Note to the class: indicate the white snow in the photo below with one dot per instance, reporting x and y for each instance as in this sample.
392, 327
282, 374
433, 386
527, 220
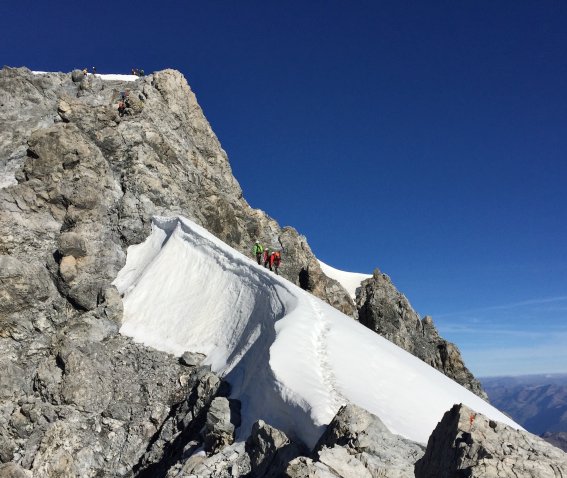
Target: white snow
116, 77
349, 280
291, 359
108, 77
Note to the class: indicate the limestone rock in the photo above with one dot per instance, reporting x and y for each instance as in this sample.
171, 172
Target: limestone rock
190, 359
12, 381
357, 443
77, 76
232, 461
13, 470
382, 308
72, 244
270, 450
303, 467
21, 285
68, 268
466, 443
339, 461
220, 424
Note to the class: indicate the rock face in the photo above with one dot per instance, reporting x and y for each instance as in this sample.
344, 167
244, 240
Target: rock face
382, 308
468, 444
357, 444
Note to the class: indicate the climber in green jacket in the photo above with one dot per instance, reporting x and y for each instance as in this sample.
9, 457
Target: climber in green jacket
258, 249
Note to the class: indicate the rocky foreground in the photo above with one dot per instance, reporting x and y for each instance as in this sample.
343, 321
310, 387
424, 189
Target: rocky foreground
77, 399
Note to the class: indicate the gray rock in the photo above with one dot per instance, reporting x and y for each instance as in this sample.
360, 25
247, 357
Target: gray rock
219, 426
466, 443
12, 379
382, 308
370, 446
112, 304
303, 467
342, 463
190, 359
13, 470
77, 76
21, 285
270, 450
72, 244
232, 461
7, 446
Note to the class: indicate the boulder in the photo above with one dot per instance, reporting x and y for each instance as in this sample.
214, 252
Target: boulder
357, 440
220, 424
466, 443
77, 76
190, 359
270, 450
68, 268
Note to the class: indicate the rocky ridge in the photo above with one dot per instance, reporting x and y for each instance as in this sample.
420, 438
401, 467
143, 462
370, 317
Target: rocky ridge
82, 183
382, 308
466, 443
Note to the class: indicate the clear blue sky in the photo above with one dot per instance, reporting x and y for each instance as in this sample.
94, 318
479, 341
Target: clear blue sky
426, 138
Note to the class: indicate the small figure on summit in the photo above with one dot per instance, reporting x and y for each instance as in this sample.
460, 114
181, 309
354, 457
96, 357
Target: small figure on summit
258, 249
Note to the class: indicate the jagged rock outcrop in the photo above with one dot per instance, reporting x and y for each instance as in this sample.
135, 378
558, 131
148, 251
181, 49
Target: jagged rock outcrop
357, 444
468, 444
382, 308
270, 450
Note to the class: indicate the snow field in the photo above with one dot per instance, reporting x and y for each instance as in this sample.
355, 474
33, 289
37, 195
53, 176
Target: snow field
107, 77
290, 358
349, 280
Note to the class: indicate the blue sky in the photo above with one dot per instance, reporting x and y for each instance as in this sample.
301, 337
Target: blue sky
424, 138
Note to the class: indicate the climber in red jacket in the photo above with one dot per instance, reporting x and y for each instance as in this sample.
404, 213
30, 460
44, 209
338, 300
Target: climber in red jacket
275, 260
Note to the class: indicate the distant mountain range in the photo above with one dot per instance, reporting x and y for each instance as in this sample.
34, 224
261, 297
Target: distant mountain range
537, 402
